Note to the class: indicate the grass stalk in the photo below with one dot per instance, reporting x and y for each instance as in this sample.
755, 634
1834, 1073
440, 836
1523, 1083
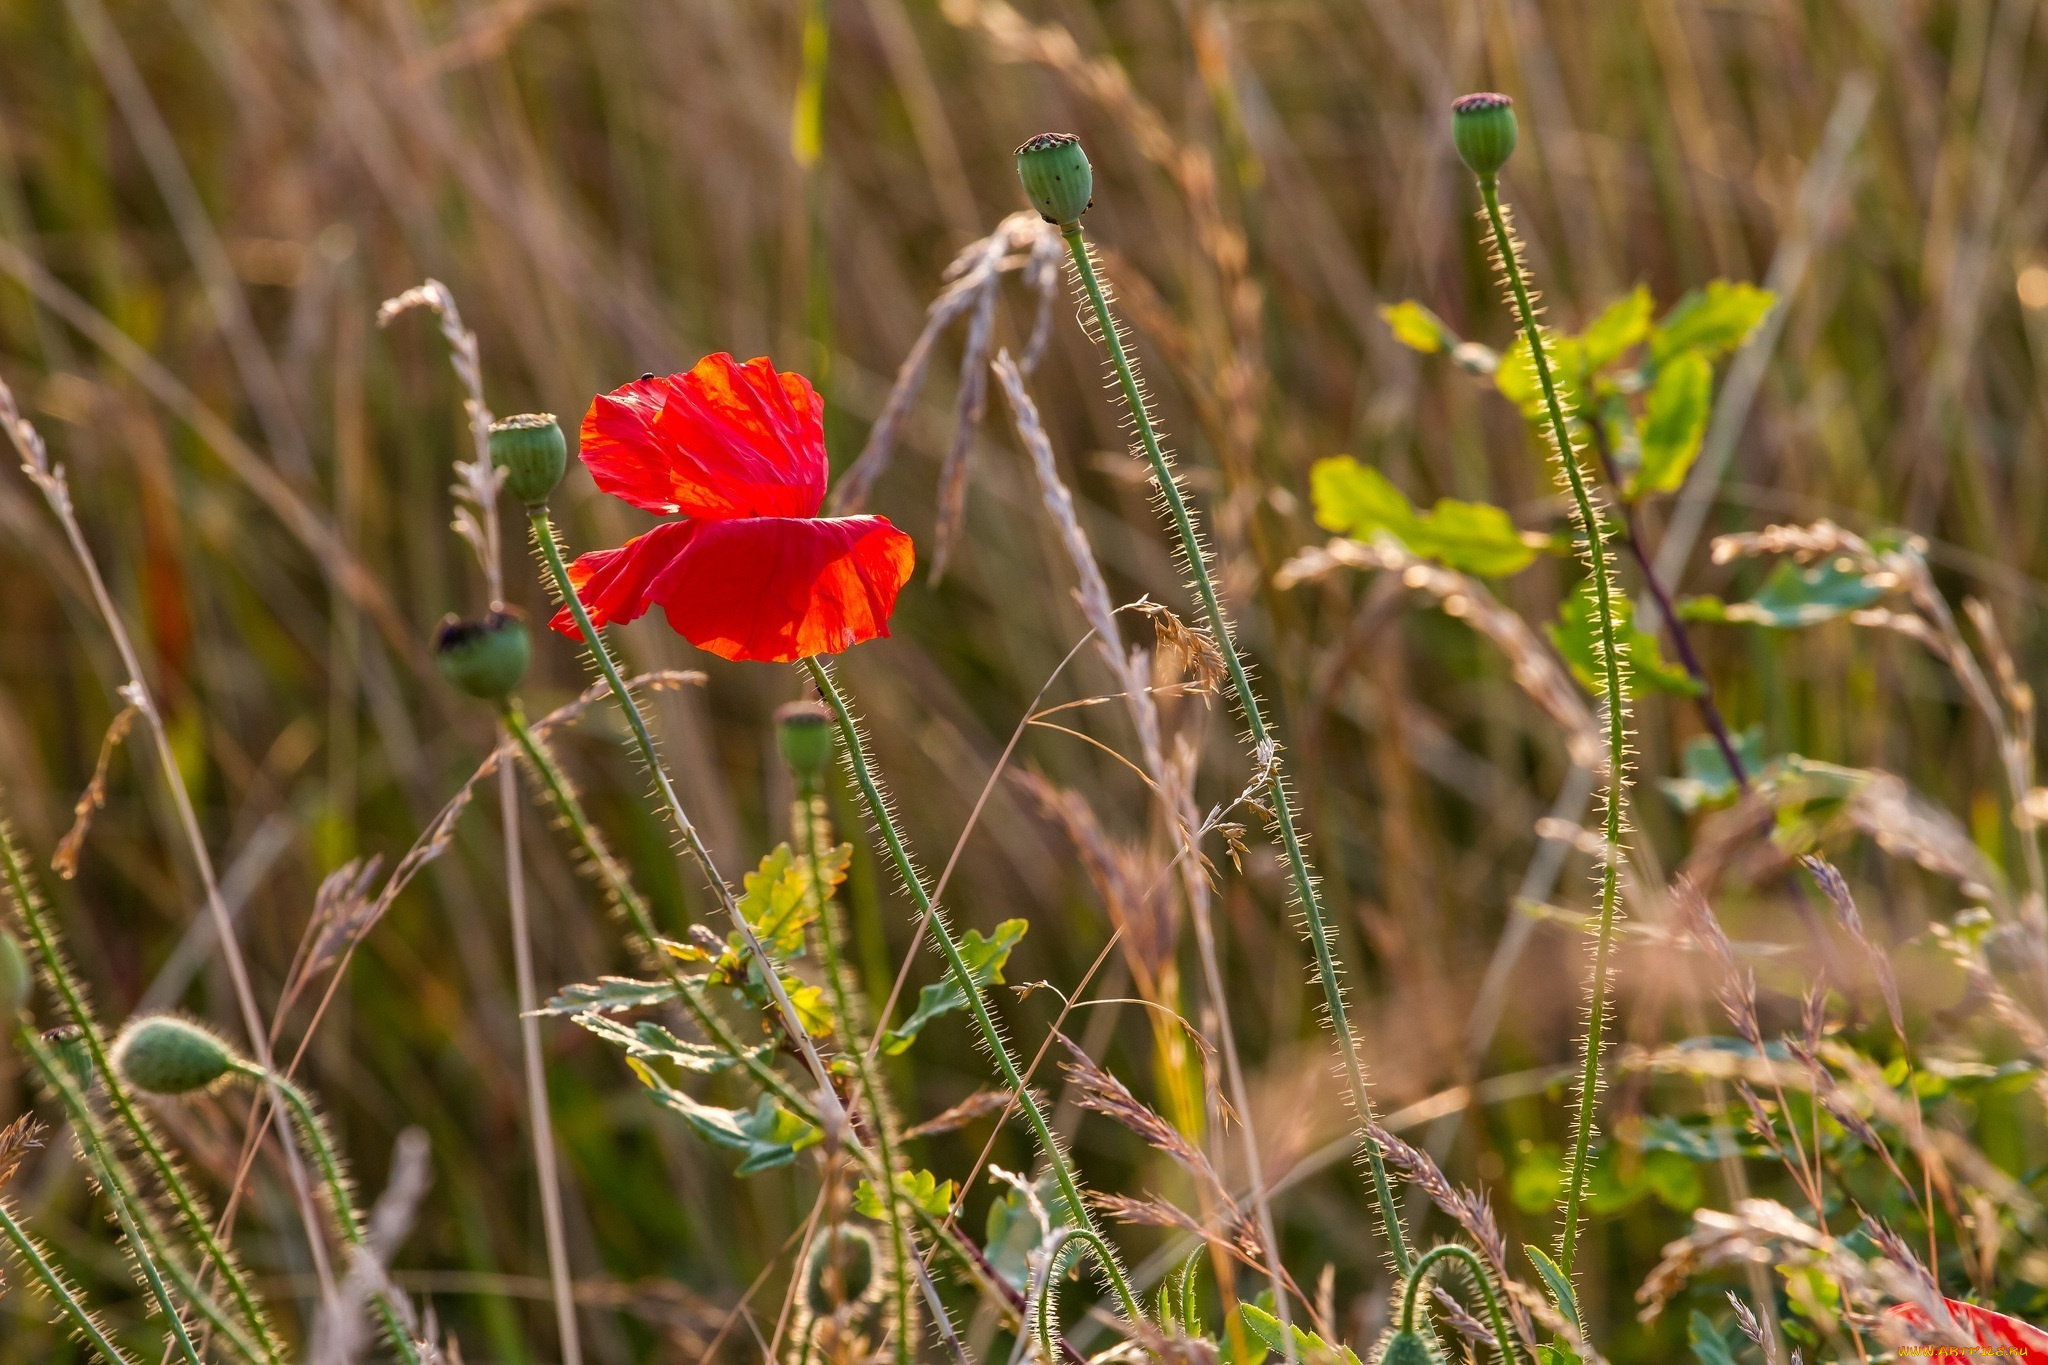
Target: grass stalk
1302, 877
1614, 667
956, 965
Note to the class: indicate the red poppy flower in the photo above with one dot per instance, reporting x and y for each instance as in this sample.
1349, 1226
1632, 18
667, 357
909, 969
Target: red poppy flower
2010, 1338
752, 572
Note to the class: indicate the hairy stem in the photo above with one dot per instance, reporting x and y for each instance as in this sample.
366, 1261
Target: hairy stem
1419, 1278
1613, 667
1303, 878
1050, 1271
71, 994
956, 965
54, 1284
544, 538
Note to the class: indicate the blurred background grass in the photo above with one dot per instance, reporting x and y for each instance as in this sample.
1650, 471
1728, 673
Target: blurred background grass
610, 188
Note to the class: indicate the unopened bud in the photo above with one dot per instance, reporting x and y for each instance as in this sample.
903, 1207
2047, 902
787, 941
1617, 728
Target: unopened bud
484, 658
162, 1054
1483, 127
842, 1269
1408, 1348
1057, 177
532, 451
803, 731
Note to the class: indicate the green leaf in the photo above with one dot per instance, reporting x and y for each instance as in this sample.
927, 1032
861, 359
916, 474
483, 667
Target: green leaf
1710, 321
775, 906
1674, 423
1709, 1346
1674, 1180
1538, 1177
1560, 1288
611, 994
1705, 779
649, 1041
921, 1188
1576, 637
1354, 500
1805, 594
1663, 1133
984, 957
1012, 1232
768, 1135
1472, 537
1308, 1346
1417, 328
1554, 1354
1517, 380
1624, 323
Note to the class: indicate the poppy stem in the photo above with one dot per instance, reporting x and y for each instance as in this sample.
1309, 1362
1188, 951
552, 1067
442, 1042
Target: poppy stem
956, 966
1614, 667
830, 1109
1321, 936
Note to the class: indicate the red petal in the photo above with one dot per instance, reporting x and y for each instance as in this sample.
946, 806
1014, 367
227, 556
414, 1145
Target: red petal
775, 589
724, 440
1984, 1327
612, 584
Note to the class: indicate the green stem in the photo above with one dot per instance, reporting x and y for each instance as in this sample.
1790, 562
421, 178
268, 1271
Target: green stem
956, 965
1613, 666
145, 1244
544, 538
806, 831
28, 904
1048, 1297
313, 1132
54, 1283
1434, 1257
1320, 934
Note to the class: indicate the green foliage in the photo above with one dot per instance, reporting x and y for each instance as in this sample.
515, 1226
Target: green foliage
985, 958
766, 1136
1806, 594
650, 1042
778, 905
1704, 777
1621, 325
1576, 636
1012, 1232
921, 1188
1554, 1279
1710, 1345
1711, 321
1416, 327
1308, 1347
608, 995
1674, 423
1473, 537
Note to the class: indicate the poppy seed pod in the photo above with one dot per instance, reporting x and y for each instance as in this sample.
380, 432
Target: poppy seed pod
532, 451
484, 658
803, 731
15, 978
1408, 1348
1057, 177
162, 1054
842, 1269
1483, 127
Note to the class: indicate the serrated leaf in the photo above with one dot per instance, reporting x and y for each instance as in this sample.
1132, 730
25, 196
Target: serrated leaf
813, 1007
1416, 327
1674, 423
1710, 321
767, 1134
608, 995
1806, 594
1354, 500
1473, 537
1709, 1346
1575, 636
921, 1188
1551, 1353
1518, 382
1705, 779
1560, 1288
1011, 1233
1622, 324
984, 957
775, 906
1308, 1346
649, 1041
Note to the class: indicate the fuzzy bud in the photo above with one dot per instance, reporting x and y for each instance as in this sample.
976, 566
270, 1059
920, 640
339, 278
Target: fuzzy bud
1483, 127
16, 980
162, 1054
1408, 1348
532, 451
841, 1269
803, 731
484, 658
1057, 177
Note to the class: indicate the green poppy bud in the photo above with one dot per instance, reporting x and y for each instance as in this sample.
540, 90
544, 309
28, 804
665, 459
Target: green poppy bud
162, 1054
1408, 1348
532, 451
803, 731
1057, 177
841, 1269
484, 658
1483, 126
16, 980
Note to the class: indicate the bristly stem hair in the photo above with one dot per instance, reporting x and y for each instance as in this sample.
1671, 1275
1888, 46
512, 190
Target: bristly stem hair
956, 965
1614, 671
1304, 881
